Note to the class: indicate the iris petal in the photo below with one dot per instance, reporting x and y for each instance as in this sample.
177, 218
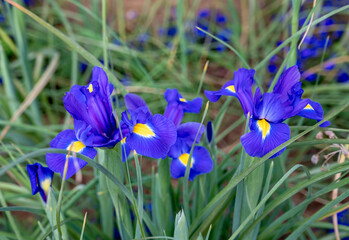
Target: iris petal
67, 140
177, 106
133, 102
201, 163
174, 113
90, 106
156, 146
287, 80
271, 108
312, 110
240, 87
40, 179
257, 146
187, 132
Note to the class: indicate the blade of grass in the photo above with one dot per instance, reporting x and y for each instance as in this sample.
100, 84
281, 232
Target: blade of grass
34, 93
265, 199
297, 34
71, 44
186, 195
10, 218
83, 227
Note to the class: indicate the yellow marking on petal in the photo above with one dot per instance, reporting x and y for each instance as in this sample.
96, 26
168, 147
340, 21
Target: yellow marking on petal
143, 130
309, 107
90, 88
123, 140
76, 147
263, 126
182, 99
45, 185
184, 158
231, 88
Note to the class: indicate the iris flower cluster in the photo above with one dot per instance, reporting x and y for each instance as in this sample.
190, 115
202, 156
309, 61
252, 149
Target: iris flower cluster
187, 134
213, 21
267, 112
151, 135
330, 30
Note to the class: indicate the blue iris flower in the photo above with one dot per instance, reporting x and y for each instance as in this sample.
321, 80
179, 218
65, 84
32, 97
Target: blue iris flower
215, 24
40, 179
147, 134
201, 161
67, 140
268, 111
177, 106
342, 76
240, 87
91, 108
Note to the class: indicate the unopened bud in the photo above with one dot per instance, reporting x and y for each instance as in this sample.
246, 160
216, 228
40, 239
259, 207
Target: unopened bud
330, 134
319, 135
315, 158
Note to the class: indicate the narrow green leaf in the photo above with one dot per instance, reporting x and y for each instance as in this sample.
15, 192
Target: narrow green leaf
181, 228
71, 44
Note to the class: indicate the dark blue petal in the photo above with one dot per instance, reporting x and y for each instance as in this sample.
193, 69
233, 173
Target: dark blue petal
91, 107
312, 110
32, 172
271, 108
264, 137
40, 179
286, 81
154, 137
325, 124
201, 163
177, 168
67, 140
133, 102
209, 131
174, 112
45, 176
240, 87
193, 106
187, 132
172, 95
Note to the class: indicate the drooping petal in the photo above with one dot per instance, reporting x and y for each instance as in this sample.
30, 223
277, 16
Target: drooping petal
201, 163
240, 87
91, 107
313, 110
67, 140
32, 172
45, 176
264, 137
193, 106
154, 137
40, 179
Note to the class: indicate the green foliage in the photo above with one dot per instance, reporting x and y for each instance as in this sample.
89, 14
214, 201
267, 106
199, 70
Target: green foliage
242, 198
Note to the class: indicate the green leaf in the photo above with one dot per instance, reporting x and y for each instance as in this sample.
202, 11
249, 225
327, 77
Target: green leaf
181, 228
